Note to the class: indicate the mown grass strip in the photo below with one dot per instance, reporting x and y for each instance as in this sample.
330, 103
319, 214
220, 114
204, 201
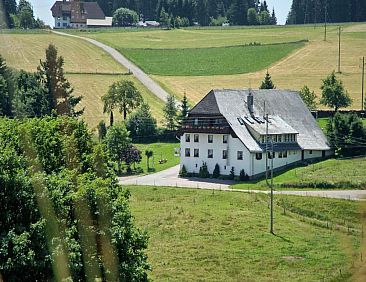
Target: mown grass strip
209, 61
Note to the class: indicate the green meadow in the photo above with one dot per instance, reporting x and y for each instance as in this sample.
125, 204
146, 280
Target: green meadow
220, 236
209, 61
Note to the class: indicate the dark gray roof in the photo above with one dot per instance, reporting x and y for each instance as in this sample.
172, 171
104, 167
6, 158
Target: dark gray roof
79, 11
276, 125
287, 105
207, 106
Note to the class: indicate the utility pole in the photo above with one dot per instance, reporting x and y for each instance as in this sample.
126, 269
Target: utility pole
270, 184
325, 22
363, 84
339, 49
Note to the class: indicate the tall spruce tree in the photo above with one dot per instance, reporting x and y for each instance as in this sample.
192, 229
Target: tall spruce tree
184, 108
59, 88
170, 113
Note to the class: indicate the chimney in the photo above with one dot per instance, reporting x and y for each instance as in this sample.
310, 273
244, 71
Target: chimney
250, 102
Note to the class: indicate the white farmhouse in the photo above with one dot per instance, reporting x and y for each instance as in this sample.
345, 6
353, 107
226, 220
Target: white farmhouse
229, 128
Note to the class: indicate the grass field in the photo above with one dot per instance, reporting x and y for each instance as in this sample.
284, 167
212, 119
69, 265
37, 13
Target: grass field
161, 151
206, 236
306, 66
209, 61
24, 50
335, 173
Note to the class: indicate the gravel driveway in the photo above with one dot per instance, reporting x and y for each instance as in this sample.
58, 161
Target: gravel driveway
169, 178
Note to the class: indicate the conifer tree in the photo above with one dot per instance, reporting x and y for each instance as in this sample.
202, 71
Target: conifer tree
267, 82
170, 113
184, 108
59, 88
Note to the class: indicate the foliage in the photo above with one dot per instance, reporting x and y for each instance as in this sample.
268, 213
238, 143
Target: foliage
124, 17
124, 95
102, 130
170, 113
31, 97
347, 134
218, 21
6, 89
164, 18
243, 176
141, 123
183, 172
203, 173
252, 17
118, 143
304, 12
333, 93
309, 98
59, 88
216, 172
132, 156
71, 208
267, 82
148, 154
232, 173
184, 108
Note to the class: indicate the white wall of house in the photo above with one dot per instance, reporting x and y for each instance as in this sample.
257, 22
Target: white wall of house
62, 22
250, 163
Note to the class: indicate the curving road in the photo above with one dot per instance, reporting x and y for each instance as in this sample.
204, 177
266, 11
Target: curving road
169, 178
150, 84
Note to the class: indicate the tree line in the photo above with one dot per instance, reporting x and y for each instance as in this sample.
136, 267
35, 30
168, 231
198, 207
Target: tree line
20, 15
314, 11
188, 12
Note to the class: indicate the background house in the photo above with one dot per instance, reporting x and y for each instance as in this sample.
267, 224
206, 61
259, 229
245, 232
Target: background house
78, 14
229, 128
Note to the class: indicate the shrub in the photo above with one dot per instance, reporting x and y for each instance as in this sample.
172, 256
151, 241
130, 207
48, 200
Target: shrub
216, 172
243, 176
232, 173
204, 171
183, 172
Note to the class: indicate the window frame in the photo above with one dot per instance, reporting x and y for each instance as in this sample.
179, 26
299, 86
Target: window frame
196, 140
258, 156
210, 140
225, 154
225, 139
210, 156
188, 138
239, 155
194, 153
187, 152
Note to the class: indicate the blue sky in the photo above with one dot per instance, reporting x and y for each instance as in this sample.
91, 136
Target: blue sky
42, 9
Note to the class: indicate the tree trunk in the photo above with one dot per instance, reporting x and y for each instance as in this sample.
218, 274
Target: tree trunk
124, 114
111, 119
147, 163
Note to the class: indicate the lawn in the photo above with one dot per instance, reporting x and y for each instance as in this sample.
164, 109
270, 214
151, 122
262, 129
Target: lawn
219, 236
209, 61
89, 69
333, 173
162, 151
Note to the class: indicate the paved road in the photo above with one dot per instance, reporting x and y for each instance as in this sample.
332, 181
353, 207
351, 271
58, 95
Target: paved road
169, 178
137, 72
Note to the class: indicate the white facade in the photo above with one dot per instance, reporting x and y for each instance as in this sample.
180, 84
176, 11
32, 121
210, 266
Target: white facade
62, 22
254, 164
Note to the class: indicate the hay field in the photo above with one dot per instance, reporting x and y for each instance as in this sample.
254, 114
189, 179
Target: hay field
307, 66
24, 50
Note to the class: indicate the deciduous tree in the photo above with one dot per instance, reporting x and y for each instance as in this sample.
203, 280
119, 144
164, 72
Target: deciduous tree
170, 113
309, 98
333, 93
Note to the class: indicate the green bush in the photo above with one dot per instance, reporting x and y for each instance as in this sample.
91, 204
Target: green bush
183, 172
232, 173
216, 172
204, 171
243, 176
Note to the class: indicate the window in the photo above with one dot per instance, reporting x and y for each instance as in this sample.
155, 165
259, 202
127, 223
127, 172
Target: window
275, 139
240, 155
188, 152
286, 138
284, 154
210, 154
196, 153
196, 121
258, 156
188, 137
262, 139
58, 24
64, 18
280, 138
310, 152
271, 156
224, 154
196, 138
210, 138
280, 155
64, 24
225, 139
